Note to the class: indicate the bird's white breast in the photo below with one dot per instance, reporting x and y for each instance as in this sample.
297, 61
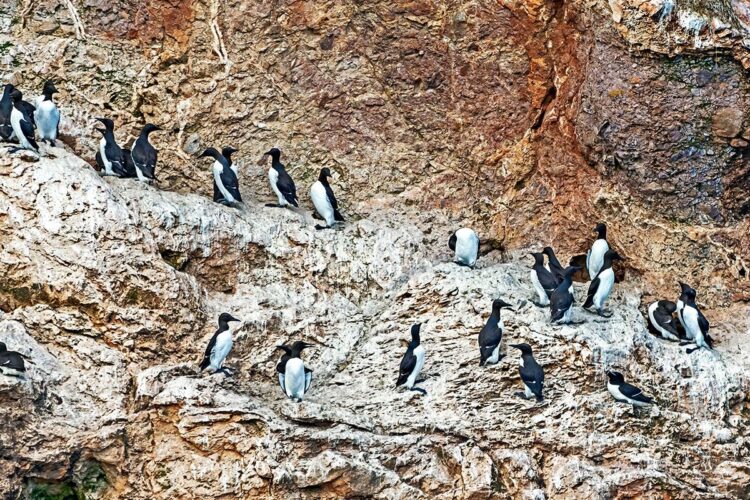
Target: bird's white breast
692, 327
217, 169
467, 244
294, 378
596, 258
606, 282
322, 203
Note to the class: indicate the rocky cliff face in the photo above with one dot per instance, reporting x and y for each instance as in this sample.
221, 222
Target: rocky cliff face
529, 121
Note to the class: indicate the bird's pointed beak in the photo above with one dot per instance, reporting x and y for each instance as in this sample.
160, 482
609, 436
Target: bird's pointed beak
516, 346
232, 318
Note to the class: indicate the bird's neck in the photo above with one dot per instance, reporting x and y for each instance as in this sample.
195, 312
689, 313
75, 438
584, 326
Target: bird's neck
47, 96
323, 180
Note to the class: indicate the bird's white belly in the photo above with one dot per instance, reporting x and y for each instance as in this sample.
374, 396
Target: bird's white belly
47, 117
419, 353
221, 349
495, 357
615, 391
294, 378
217, 169
322, 203
596, 258
543, 299
467, 245
15, 122
692, 327
606, 282
273, 177
107, 164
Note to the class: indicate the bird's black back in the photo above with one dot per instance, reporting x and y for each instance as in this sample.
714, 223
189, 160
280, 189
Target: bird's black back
408, 363
561, 300
145, 156
285, 184
12, 360
532, 375
489, 337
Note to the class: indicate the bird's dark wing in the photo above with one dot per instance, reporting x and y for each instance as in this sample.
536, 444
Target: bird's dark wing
408, 362
12, 360
281, 366
114, 154
546, 279
27, 128
703, 323
634, 393
129, 165
99, 161
217, 194
593, 287
286, 187
144, 157
229, 179
334, 204
561, 301
665, 320
533, 376
489, 338
28, 113
207, 356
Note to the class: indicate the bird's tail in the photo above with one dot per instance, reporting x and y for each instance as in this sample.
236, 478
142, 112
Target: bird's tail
539, 398
337, 215
589, 302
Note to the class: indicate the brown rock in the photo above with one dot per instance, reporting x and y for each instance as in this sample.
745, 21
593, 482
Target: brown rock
738, 143
727, 122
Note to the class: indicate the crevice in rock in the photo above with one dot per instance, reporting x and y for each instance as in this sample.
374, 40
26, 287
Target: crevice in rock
548, 98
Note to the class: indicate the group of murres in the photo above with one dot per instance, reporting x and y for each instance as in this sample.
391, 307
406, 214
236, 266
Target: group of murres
20, 121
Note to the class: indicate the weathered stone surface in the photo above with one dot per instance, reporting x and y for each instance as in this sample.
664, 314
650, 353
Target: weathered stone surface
528, 120
727, 122
113, 393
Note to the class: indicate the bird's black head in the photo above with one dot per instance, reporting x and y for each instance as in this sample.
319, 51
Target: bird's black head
211, 152
452, 241
8, 88
615, 377
285, 348
274, 153
148, 128
415, 328
612, 255
601, 230
102, 131
325, 173
538, 258
299, 346
108, 123
16, 95
49, 88
548, 251
571, 270
524, 348
684, 287
668, 305
227, 151
3, 348
226, 318
498, 304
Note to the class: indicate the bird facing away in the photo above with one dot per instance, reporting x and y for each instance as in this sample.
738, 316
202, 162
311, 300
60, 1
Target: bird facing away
227, 152
624, 392
144, 155
660, 316
695, 323
557, 270
595, 256
491, 335
324, 200
281, 183
561, 301
224, 179
219, 346
11, 362
295, 379
281, 367
465, 245
601, 285
47, 116
412, 362
22, 122
542, 280
6, 107
532, 374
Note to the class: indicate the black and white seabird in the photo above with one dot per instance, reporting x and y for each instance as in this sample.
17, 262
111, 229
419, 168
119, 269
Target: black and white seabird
11, 362
47, 116
543, 281
6, 107
465, 245
626, 393
22, 121
532, 374
601, 285
660, 316
491, 335
695, 323
294, 377
144, 155
595, 256
325, 201
684, 289
110, 156
225, 180
281, 367
557, 270
227, 152
412, 362
281, 183
561, 301
219, 346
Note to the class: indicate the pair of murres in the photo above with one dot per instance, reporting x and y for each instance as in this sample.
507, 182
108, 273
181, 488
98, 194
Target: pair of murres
694, 324
138, 162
